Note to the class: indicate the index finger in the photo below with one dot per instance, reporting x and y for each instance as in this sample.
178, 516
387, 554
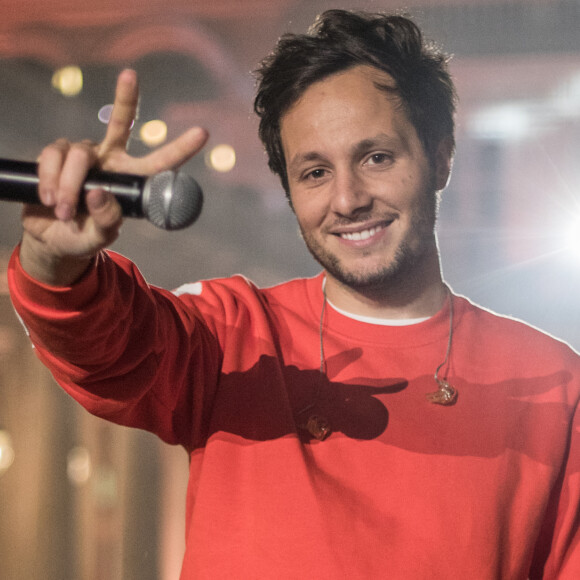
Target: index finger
174, 153
124, 111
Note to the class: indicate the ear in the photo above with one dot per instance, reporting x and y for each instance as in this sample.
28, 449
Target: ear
444, 162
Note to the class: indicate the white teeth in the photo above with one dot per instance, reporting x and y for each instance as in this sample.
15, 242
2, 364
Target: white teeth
364, 235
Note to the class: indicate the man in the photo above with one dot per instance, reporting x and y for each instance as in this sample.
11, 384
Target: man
366, 423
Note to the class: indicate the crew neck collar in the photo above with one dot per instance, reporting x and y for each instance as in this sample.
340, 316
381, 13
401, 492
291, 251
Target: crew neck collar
378, 321
429, 330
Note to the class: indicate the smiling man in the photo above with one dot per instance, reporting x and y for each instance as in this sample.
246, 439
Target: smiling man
364, 193
364, 423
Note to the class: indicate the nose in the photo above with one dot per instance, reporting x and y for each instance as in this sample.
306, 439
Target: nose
349, 195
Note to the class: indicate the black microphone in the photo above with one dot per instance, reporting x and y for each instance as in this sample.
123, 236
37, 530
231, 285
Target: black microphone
170, 200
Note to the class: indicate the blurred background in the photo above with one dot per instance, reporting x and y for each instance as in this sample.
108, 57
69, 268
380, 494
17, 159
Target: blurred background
81, 499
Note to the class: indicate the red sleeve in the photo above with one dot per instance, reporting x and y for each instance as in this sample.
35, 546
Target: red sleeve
558, 551
126, 351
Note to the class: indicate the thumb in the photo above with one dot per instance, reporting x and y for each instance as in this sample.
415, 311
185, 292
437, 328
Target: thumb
103, 208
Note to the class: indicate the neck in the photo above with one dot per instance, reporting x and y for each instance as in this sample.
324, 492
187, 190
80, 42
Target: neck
409, 296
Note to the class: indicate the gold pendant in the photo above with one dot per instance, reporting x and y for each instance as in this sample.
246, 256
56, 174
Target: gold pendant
445, 395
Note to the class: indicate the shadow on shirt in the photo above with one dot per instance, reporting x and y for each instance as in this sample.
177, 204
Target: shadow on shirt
264, 403
270, 401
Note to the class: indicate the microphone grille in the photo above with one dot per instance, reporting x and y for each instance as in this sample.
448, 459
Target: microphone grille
172, 200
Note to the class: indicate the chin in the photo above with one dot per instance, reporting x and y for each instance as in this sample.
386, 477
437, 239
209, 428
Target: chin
404, 265
362, 277
367, 280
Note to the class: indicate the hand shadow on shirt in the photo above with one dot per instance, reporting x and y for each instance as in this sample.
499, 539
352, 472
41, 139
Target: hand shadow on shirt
269, 401
264, 402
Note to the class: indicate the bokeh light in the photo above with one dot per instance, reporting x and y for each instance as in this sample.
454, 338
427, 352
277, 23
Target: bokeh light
6, 451
78, 466
153, 133
68, 80
221, 158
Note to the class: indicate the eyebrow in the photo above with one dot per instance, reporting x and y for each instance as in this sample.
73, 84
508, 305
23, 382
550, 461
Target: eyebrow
301, 158
380, 140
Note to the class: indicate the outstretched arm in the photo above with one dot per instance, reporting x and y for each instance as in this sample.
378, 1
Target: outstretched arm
58, 243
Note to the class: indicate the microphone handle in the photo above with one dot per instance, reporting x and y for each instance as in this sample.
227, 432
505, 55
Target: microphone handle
19, 182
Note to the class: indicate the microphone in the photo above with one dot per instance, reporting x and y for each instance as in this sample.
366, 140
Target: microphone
170, 200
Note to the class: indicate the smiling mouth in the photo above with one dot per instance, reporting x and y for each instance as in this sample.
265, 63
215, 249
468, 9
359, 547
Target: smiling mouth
362, 235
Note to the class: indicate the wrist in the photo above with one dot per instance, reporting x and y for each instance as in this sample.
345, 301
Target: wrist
50, 268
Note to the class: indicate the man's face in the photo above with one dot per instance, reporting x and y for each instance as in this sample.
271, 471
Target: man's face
361, 185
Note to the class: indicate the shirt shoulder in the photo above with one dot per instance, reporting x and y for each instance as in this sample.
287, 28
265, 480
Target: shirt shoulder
511, 334
238, 292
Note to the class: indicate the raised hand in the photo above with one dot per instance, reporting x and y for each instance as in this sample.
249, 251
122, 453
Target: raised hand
58, 243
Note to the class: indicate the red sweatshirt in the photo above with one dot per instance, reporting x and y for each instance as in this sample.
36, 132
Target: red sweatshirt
488, 488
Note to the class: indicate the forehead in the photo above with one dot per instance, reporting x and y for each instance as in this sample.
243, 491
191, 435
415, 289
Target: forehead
365, 82
345, 107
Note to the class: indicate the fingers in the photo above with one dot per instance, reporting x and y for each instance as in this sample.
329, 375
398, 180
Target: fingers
174, 154
112, 151
81, 157
62, 170
63, 166
123, 113
50, 164
106, 215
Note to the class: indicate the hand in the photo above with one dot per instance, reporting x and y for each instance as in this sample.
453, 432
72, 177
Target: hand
58, 244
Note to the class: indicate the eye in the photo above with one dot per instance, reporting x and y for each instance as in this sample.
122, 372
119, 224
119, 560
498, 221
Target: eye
315, 174
379, 159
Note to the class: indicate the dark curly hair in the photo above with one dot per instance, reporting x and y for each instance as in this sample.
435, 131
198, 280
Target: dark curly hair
339, 40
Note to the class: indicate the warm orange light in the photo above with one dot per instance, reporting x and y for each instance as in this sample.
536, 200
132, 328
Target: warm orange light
222, 158
6, 451
68, 80
153, 133
78, 467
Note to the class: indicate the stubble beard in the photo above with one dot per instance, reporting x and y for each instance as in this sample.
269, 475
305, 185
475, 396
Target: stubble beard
405, 265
